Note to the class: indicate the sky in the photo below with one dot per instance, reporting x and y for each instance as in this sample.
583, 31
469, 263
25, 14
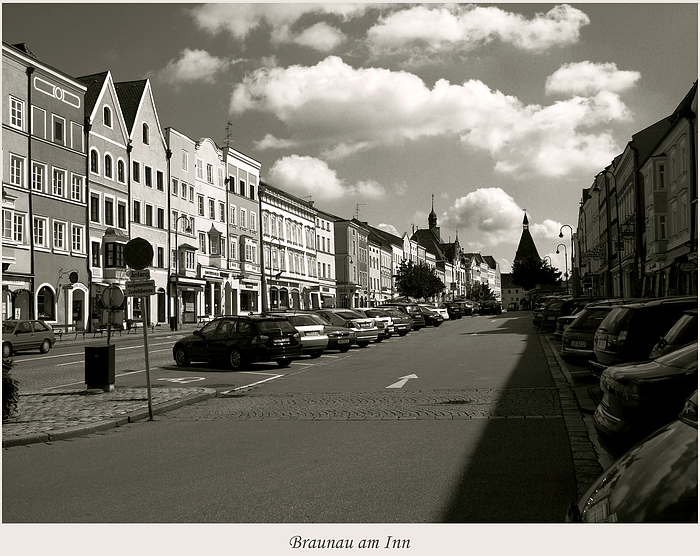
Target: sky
371, 109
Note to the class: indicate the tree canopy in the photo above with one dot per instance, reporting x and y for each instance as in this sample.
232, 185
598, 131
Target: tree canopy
418, 280
532, 271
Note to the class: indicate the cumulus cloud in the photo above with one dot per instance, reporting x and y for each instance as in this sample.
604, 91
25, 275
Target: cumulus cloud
389, 229
342, 110
307, 176
272, 142
321, 37
470, 26
589, 79
192, 66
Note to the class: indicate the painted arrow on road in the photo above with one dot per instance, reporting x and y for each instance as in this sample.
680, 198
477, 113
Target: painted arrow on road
404, 380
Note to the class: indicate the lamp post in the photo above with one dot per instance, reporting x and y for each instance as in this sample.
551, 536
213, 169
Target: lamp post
566, 265
347, 280
188, 230
571, 234
547, 257
596, 187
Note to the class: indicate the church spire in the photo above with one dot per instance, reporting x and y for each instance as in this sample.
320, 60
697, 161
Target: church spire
432, 217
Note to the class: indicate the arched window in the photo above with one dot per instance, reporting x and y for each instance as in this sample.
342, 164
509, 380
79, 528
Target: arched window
107, 116
146, 136
108, 166
120, 171
94, 162
45, 305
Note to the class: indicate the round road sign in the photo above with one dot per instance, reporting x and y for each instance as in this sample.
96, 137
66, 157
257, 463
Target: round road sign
138, 253
112, 296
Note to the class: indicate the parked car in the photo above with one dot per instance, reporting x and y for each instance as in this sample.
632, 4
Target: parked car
538, 307
654, 482
682, 333
339, 337
240, 340
314, 339
381, 320
551, 311
20, 335
432, 317
490, 307
411, 309
468, 306
577, 335
364, 328
403, 323
454, 310
438, 308
570, 309
630, 331
638, 398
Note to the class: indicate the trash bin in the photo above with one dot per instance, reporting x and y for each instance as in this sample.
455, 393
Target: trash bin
99, 367
173, 323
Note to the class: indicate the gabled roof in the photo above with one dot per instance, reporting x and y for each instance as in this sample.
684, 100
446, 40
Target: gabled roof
430, 240
24, 48
94, 83
491, 261
130, 94
387, 237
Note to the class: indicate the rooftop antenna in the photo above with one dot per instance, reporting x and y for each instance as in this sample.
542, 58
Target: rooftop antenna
357, 210
228, 142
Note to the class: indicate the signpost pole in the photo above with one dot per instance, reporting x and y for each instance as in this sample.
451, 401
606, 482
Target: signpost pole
144, 300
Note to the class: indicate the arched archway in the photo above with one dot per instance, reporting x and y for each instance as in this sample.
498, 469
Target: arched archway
46, 303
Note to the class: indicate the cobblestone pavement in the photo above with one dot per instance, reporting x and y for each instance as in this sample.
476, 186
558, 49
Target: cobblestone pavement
519, 403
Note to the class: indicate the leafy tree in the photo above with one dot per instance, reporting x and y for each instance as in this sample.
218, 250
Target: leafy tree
476, 291
418, 280
532, 271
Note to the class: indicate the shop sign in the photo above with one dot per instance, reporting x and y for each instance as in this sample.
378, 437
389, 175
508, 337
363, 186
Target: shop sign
211, 273
688, 266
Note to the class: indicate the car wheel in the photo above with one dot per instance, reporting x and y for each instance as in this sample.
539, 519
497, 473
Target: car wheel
315, 354
45, 346
284, 362
402, 334
344, 349
6, 349
235, 359
181, 358
363, 344
378, 340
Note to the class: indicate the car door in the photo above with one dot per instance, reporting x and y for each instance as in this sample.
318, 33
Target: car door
200, 348
24, 336
225, 335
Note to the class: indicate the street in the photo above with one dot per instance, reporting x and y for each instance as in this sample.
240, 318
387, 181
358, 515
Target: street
459, 423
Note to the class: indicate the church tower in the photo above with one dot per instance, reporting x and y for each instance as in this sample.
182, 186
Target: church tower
526, 247
432, 217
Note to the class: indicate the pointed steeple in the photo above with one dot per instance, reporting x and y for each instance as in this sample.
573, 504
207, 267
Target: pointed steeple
526, 247
432, 217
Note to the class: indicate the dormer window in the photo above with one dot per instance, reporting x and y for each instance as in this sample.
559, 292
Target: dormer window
107, 116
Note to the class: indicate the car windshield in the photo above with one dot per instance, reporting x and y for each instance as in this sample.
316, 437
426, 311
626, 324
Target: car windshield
303, 320
377, 313
394, 313
617, 320
348, 315
589, 319
315, 319
684, 358
684, 331
8, 326
273, 325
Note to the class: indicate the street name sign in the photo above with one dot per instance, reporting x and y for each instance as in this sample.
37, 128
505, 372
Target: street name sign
141, 289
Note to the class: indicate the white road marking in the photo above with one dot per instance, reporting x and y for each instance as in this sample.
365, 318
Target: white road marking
402, 382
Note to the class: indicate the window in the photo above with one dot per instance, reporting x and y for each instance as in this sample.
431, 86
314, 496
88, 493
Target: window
174, 220
38, 177
120, 171
136, 216
242, 222
40, 232
213, 246
174, 188
149, 215
109, 212
76, 188
161, 257
183, 190
94, 162
114, 255
59, 181
200, 170
95, 251
136, 172
107, 116
94, 207
148, 175
203, 242
159, 180
13, 226
212, 210
222, 212
191, 194
161, 218
59, 235
232, 183
233, 240
59, 130
200, 205
662, 176
252, 221
210, 174
242, 185
662, 227
145, 134
39, 122
189, 260
222, 246
16, 113
185, 161
121, 215
252, 191
233, 215
108, 166
221, 177
16, 170
77, 238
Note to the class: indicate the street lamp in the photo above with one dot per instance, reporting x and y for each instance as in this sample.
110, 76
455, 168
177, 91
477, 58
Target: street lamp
571, 234
596, 187
347, 280
188, 230
566, 265
547, 257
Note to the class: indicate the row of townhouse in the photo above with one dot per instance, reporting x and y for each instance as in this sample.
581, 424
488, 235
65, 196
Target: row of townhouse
637, 232
87, 166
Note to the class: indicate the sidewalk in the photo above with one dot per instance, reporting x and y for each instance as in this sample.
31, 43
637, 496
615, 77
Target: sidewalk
59, 414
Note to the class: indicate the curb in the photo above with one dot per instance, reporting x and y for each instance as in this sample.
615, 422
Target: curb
132, 417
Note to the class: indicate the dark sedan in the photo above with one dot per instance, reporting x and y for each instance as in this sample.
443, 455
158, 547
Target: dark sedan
640, 397
240, 340
432, 318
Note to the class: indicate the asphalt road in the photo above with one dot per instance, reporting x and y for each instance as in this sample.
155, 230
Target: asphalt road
459, 424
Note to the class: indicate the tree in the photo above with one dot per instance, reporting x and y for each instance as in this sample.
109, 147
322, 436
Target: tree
418, 280
480, 292
532, 271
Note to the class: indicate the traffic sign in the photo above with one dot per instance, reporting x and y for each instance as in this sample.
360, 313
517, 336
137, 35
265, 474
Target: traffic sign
112, 296
141, 289
138, 253
136, 275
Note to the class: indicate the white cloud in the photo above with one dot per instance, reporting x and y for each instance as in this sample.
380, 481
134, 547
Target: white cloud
341, 110
470, 26
321, 37
192, 66
589, 79
272, 142
388, 228
307, 176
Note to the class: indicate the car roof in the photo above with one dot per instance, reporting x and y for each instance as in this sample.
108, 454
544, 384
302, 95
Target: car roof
655, 302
